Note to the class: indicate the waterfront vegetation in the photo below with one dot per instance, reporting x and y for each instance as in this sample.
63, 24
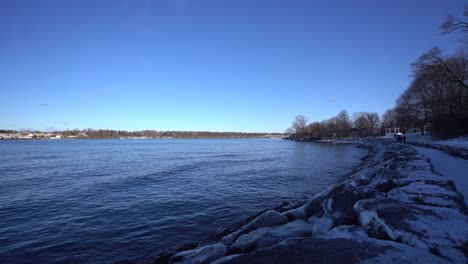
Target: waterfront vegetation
436, 101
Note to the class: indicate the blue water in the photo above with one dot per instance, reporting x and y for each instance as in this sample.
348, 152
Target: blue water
106, 201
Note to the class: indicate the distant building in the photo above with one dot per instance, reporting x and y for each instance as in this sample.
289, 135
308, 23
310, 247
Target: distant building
26, 136
55, 136
391, 131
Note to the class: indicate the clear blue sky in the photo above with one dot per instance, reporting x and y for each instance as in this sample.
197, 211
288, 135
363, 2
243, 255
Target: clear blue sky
207, 65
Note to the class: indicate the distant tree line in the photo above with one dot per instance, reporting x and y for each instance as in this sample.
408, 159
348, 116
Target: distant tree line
435, 101
108, 134
437, 98
362, 124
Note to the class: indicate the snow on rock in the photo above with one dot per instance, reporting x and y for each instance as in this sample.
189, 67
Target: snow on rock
267, 236
201, 255
346, 231
267, 219
428, 194
442, 231
315, 206
457, 147
459, 142
321, 225
340, 206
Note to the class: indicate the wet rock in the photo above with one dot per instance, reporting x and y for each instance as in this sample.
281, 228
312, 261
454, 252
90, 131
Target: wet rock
164, 256
265, 237
321, 225
346, 231
267, 219
303, 212
314, 206
340, 206
201, 255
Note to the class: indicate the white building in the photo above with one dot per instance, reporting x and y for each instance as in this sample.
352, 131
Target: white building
391, 131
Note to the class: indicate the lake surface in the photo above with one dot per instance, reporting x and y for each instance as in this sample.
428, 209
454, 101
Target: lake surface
107, 201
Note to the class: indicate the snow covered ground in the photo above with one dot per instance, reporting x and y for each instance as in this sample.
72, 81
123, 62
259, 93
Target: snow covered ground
460, 142
455, 169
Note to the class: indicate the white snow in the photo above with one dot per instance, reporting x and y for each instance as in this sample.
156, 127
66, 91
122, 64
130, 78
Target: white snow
459, 142
456, 169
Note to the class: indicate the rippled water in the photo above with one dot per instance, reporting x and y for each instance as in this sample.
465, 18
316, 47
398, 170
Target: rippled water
105, 201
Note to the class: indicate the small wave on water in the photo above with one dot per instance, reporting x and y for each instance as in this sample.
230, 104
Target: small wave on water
108, 201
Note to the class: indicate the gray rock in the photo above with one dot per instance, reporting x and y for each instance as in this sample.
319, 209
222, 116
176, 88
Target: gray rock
267, 219
314, 206
265, 237
321, 225
346, 231
340, 206
337, 250
442, 231
201, 255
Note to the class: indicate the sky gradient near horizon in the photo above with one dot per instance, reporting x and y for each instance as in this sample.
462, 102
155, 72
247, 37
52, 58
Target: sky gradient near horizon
208, 65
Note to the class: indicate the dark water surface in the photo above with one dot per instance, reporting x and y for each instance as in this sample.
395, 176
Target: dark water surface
105, 201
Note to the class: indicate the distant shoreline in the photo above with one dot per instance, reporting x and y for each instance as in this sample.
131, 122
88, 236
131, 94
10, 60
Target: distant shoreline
119, 134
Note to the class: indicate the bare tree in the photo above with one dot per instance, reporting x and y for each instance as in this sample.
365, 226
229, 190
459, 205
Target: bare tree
299, 125
453, 24
389, 118
366, 124
343, 124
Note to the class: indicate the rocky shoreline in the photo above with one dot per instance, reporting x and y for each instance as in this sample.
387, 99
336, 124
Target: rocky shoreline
393, 208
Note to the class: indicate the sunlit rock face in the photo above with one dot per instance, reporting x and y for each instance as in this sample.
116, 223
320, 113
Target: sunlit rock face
394, 208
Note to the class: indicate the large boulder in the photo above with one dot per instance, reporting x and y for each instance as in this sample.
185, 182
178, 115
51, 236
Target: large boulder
267, 219
442, 231
335, 250
340, 206
202, 255
267, 236
314, 206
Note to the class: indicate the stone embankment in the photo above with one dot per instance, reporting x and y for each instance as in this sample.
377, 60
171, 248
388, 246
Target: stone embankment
394, 208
